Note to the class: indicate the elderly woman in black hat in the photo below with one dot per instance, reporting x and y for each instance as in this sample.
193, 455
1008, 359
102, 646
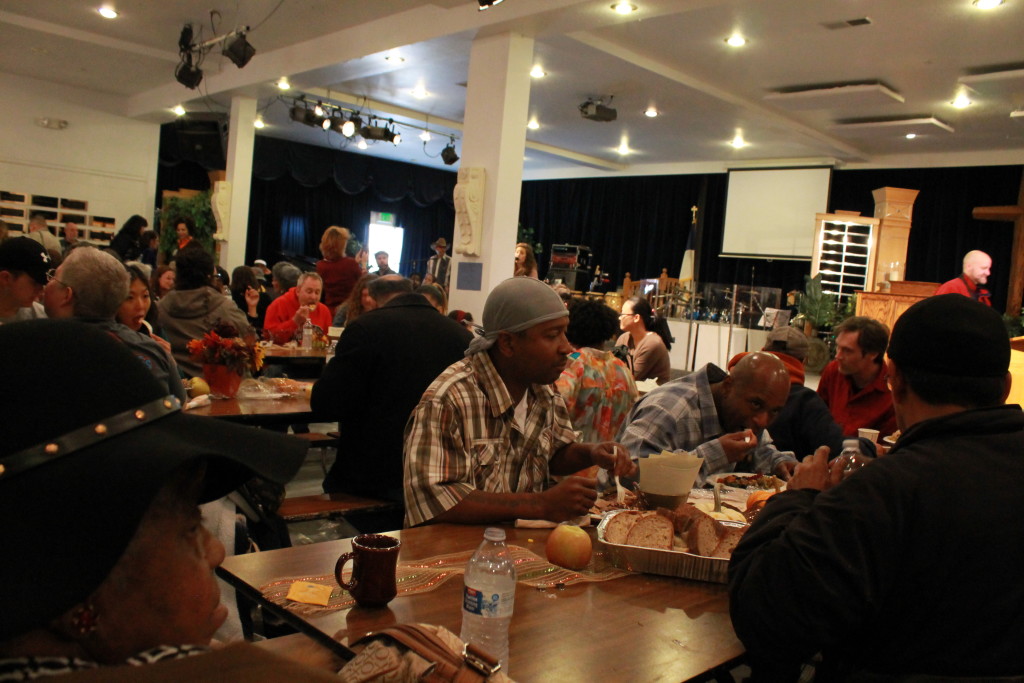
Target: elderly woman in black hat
106, 560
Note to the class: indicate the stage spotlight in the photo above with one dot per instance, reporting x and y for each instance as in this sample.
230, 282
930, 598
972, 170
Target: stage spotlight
448, 155
303, 115
238, 50
348, 129
488, 4
188, 75
376, 133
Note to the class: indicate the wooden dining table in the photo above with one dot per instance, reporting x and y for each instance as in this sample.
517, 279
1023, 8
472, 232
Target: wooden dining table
260, 412
638, 627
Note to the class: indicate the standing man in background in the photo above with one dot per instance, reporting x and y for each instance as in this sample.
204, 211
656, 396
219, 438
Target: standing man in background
440, 264
977, 267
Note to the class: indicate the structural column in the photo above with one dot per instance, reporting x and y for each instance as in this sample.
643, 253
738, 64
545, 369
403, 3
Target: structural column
494, 138
241, 140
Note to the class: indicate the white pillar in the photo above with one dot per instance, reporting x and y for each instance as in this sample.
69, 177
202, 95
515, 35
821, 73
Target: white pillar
241, 139
494, 138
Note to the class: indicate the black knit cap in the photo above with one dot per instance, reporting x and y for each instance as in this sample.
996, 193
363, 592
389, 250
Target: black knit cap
88, 438
951, 335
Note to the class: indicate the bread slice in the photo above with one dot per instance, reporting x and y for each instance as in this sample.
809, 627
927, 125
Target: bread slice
618, 526
730, 537
651, 530
702, 536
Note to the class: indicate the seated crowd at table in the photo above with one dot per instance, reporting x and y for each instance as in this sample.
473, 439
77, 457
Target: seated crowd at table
904, 567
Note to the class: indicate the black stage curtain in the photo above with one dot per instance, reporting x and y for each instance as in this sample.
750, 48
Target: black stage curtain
640, 224
323, 187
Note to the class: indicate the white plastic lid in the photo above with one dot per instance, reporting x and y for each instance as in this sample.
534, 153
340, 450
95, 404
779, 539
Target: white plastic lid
494, 534
851, 443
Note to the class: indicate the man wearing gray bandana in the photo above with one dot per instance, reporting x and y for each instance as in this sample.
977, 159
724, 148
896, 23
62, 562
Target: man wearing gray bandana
489, 432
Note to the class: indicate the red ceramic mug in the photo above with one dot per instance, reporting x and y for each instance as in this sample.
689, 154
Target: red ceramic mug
374, 560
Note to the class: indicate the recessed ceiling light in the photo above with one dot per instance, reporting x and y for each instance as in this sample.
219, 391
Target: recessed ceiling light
425, 136
651, 112
962, 100
624, 7
394, 58
107, 12
736, 40
362, 144
987, 4
538, 72
623, 148
283, 84
533, 125
738, 142
179, 110
420, 92
910, 136
259, 123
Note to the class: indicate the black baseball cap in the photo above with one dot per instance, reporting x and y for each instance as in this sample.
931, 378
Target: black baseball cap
25, 255
89, 439
951, 335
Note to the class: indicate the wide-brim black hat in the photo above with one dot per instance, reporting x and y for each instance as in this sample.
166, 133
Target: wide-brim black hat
89, 437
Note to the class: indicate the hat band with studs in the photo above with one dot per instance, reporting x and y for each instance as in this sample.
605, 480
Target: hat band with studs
90, 435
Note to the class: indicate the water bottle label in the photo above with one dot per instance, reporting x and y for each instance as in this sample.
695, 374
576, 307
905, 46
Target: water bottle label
487, 604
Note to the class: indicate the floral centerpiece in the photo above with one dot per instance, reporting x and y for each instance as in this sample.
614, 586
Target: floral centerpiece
225, 357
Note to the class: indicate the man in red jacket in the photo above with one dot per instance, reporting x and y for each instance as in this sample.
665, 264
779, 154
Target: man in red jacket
977, 266
289, 312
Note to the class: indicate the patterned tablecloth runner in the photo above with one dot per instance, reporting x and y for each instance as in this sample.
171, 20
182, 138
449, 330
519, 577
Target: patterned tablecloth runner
422, 576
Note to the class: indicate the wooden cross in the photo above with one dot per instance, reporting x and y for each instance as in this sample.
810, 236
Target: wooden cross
1016, 215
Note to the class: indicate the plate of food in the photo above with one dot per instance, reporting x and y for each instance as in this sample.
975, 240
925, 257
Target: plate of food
890, 440
742, 480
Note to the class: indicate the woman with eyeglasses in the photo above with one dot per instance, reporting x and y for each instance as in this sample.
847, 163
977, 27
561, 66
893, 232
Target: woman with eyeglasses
647, 339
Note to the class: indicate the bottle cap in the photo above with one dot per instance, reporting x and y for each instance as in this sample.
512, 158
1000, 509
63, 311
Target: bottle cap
494, 534
851, 443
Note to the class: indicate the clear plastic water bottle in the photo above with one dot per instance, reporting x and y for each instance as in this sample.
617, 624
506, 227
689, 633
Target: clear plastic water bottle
488, 596
852, 460
307, 334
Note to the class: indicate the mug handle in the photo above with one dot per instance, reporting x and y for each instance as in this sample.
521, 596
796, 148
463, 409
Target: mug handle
338, 566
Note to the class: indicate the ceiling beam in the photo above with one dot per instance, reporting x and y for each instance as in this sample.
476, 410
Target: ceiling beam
86, 37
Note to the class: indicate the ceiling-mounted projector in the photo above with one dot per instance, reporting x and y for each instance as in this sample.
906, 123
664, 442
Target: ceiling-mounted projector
595, 111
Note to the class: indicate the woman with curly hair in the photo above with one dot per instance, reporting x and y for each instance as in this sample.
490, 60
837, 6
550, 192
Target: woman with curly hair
338, 271
598, 388
526, 262
647, 339
359, 302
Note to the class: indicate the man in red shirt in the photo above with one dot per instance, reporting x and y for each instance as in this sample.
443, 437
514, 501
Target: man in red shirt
977, 266
854, 386
288, 313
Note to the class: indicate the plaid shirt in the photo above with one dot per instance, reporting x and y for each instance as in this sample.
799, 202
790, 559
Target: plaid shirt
463, 437
681, 416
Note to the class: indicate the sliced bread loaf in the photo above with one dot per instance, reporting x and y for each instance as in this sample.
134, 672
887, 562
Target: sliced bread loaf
730, 537
618, 526
651, 530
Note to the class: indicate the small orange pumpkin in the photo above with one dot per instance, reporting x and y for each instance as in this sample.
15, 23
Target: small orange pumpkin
758, 499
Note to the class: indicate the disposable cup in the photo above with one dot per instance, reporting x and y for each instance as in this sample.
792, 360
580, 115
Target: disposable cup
869, 434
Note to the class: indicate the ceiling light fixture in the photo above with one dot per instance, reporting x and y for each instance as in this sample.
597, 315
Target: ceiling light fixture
259, 123
362, 144
736, 40
962, 100
107, 12
910, 136
596, 110
394, 58
537, 72
419, 92
488, 4
425, 136
187, 73
738, 142
448, 154
651, 112
623, 147
987, 4
283, 84
179, 110
319, 109
623, 7
328, 122
533, 125
354, 123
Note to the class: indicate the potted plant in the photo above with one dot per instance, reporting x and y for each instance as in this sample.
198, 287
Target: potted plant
816, 308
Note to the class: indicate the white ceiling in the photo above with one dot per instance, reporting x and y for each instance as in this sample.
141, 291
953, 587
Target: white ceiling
670, 54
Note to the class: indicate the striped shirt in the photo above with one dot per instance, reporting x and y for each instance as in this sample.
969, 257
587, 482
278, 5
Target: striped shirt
681, 416
463, 437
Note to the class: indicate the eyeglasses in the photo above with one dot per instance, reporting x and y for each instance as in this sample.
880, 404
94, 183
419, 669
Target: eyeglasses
626, 315
51, 275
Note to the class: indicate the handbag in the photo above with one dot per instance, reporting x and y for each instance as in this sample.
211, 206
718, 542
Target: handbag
411, 653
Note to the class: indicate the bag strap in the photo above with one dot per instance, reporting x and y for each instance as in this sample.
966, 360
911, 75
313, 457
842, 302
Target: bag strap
471, 666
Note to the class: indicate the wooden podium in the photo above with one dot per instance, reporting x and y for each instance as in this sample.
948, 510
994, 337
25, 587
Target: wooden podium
886, 307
